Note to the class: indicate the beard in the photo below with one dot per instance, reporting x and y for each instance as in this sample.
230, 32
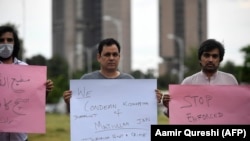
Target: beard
210, 68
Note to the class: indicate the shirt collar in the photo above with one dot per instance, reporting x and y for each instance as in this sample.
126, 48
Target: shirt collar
211, 78
16, 61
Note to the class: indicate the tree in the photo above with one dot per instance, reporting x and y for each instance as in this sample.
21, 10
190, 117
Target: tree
192, 64
58, 72
245, 77
230, 67
164, 81
57, 66
37, 60
137, 74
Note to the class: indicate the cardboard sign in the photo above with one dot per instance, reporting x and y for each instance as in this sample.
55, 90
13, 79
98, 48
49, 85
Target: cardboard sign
22, 98
112, 109
209, 104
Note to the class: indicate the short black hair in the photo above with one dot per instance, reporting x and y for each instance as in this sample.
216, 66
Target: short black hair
108, 42
7, 28
209, 45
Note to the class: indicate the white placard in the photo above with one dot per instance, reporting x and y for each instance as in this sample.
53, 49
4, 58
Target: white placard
112, 109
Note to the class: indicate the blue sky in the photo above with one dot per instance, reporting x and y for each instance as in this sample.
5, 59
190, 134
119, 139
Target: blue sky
228, 22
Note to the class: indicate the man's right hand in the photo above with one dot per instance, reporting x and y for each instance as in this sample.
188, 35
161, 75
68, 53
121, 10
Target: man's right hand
66, 96
165, 100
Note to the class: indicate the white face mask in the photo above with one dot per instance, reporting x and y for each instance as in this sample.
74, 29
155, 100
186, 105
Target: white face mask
6, 50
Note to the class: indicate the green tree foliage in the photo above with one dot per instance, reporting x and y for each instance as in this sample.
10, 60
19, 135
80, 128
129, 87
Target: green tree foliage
230, 67
140, 75
60, 85
58, 72
22, 49
78, 74
137, 74
37, 60
150, 74
192, 64
95, 65
165, 80
57, 66
245, 77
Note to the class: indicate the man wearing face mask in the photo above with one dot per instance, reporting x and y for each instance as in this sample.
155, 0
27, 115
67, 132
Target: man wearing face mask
9, 48
6, 50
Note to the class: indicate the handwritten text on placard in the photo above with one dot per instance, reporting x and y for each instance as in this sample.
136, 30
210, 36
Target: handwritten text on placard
209, 104
112, 109
22, 98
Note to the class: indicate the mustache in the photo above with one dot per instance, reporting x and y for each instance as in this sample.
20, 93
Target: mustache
210, 64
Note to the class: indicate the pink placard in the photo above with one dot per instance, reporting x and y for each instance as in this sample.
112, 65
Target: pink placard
22, 101
209, 104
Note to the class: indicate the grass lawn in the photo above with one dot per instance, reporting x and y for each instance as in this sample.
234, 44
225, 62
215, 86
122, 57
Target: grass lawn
58, 128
